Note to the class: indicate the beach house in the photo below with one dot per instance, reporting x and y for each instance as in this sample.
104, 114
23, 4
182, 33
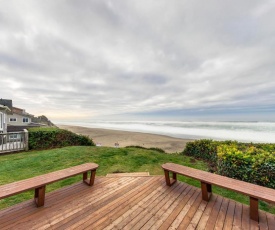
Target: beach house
5, 109
16, 119
19, 117
3, 118
13, 122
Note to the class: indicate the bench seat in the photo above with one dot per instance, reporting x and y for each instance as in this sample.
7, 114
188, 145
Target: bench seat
255, 192
39, 183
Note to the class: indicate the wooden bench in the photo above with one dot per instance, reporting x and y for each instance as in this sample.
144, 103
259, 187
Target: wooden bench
39, 183
255, 192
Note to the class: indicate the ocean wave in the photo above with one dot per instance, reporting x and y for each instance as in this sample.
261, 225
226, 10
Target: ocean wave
240, 131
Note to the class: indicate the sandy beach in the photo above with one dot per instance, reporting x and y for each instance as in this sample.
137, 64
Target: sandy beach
108, 138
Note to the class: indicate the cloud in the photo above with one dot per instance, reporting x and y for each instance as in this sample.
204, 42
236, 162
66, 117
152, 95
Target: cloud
104, 57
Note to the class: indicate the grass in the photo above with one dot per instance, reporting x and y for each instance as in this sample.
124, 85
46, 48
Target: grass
24, 165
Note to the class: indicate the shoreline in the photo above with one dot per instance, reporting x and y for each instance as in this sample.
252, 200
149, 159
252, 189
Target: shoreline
108, 138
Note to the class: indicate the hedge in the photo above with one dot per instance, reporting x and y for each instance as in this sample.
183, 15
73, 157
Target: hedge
249, 162
253, 165
48, 138
202, 149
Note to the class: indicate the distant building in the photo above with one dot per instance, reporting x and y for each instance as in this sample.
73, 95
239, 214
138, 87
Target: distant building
5, 109
13, 119
19, 117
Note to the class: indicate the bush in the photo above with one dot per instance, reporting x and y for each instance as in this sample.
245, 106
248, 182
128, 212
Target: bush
253, 165
141, 147
48, 138
202, 149
206, 149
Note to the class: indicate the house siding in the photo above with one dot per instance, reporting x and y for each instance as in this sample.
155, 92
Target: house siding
3, 122
19, 119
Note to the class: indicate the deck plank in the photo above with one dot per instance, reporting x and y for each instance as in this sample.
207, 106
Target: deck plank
116, 208
163, 209
140, 207
132, 202
245, 217
214, 214
120, 212
18, 212
270, 221
185, 210
228, 223
222, 214
179, 200
64, 211
206, 214
139, 174
190, 214
87, 207
129, 212
263, 221
156, 206
237, 222
167, 223
141, 217
197, 216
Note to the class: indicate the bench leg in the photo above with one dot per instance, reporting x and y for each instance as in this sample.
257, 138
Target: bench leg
254, 210
39, 196
206, 191
167, 178
85, 176
92, 178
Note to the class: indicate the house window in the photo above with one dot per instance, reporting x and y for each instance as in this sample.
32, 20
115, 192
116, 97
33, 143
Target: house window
14, 137
13, 119
25, 120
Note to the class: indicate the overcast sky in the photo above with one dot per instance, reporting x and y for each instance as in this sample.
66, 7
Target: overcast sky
76, 59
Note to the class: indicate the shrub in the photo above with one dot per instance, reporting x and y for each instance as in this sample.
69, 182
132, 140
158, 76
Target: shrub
157, 149
48, 138
202, 149
141, 147
254, 165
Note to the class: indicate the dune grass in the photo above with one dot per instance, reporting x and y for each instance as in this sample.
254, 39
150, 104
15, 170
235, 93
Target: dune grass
24, 165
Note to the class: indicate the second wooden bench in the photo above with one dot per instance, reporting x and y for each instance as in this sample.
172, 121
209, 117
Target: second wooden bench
255, 192
39, 183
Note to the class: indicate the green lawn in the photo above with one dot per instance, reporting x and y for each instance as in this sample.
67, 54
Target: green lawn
19, 166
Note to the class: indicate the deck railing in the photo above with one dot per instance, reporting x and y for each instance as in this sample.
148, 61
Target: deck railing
14, 141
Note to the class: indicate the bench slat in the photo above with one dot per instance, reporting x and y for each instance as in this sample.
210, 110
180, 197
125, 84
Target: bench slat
38, 181
252, 190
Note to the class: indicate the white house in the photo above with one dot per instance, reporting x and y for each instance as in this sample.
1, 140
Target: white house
3, 118
19, 117
14, 119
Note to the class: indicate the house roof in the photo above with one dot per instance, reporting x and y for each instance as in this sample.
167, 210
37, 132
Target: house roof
6, 102
24, 115
21, 112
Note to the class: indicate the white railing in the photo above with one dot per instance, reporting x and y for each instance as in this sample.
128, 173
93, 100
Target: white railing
14, 141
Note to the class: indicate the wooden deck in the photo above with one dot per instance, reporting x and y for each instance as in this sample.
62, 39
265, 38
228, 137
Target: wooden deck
132, 203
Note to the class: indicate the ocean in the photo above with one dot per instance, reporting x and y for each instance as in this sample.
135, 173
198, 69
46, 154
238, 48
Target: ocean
259, 132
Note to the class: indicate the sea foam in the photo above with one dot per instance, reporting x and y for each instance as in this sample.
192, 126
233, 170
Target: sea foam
240, 131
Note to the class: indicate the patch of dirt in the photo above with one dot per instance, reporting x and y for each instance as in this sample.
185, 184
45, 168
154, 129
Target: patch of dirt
118, 171
193, 160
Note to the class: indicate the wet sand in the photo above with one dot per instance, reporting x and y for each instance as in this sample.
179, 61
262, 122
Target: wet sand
108, 138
